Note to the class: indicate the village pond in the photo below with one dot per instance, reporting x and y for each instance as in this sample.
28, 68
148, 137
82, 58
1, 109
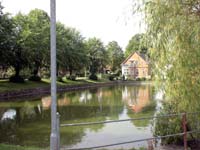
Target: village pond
28, 122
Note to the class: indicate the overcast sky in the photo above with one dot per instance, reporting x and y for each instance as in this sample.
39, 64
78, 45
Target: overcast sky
105, 19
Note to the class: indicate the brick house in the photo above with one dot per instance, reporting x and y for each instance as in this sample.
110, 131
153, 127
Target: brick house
136, 66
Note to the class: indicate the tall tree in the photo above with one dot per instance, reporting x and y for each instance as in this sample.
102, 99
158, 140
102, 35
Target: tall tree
12, 50
115, 54
7, 36
174, 34
71, 50
175, 42
38, 39
136, 43
18, 57
97, 55
1, 9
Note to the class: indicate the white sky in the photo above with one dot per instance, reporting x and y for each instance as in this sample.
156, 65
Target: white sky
105, 19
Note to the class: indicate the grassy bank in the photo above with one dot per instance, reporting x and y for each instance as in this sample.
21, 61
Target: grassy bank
17, 147
5, 85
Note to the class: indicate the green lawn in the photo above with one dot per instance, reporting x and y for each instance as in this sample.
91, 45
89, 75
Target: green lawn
8, 86
16, 147
5, 85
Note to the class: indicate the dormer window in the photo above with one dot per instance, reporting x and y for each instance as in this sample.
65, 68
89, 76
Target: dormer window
136, 62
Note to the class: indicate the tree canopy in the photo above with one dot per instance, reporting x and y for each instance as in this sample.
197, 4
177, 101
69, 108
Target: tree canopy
97, 55
136, 43
25, 48
116, 55
38, 39
71, 49
175, 46
174, 34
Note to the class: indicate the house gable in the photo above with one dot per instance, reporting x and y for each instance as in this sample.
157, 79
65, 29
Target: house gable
136, 65
134, 57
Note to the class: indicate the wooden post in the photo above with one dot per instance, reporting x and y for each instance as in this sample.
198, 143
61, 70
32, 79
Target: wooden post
184, 126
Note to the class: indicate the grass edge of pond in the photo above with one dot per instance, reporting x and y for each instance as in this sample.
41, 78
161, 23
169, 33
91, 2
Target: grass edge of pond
18, 147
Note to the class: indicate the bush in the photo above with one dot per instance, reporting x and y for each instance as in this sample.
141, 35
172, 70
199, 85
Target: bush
16, 79
143, 79
138, 79
59, 79
168, 125
34, 78
93, 77
72, 77
118, 73
111, 77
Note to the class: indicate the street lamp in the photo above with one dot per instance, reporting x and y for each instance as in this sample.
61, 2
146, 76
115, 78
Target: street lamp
54, 134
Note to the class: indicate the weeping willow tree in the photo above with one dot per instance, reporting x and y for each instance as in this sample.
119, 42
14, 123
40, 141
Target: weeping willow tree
173, 31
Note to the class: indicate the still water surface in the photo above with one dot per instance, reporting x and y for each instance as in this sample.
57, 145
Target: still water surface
28, 122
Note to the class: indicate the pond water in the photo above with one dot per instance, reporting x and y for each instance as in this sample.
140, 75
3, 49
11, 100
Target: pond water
28, 122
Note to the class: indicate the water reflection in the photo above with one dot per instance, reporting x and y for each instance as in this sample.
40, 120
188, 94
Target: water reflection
29, 122
136, 98
9, 114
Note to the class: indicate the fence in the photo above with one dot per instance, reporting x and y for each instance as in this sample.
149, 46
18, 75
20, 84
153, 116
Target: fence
183, 121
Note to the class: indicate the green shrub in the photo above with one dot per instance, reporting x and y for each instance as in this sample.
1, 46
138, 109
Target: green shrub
168, 125
138, 79
72, 77
16, 79
60, 79
93, 77
34, 78
143, 79
111, 77
118, 73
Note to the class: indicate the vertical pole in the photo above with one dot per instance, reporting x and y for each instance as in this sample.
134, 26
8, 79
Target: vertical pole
184, 123
53, 136
58, 129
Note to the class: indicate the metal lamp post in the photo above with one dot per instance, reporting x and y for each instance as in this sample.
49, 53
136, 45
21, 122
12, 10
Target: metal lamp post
54, 135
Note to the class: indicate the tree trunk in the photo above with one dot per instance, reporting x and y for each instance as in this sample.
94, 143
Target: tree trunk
35, 71
36, 68
70, 71
17, 70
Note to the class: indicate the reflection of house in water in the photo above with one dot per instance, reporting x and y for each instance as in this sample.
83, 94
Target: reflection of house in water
46, 102
136, 97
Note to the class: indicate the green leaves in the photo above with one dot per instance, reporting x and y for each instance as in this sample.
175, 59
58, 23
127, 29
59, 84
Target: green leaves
71, 50
136, 43
116, 55
173, 33
97, 55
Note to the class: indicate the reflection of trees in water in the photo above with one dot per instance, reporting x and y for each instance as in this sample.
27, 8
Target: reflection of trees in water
31, 125
8, 131
96, 107
2, 110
